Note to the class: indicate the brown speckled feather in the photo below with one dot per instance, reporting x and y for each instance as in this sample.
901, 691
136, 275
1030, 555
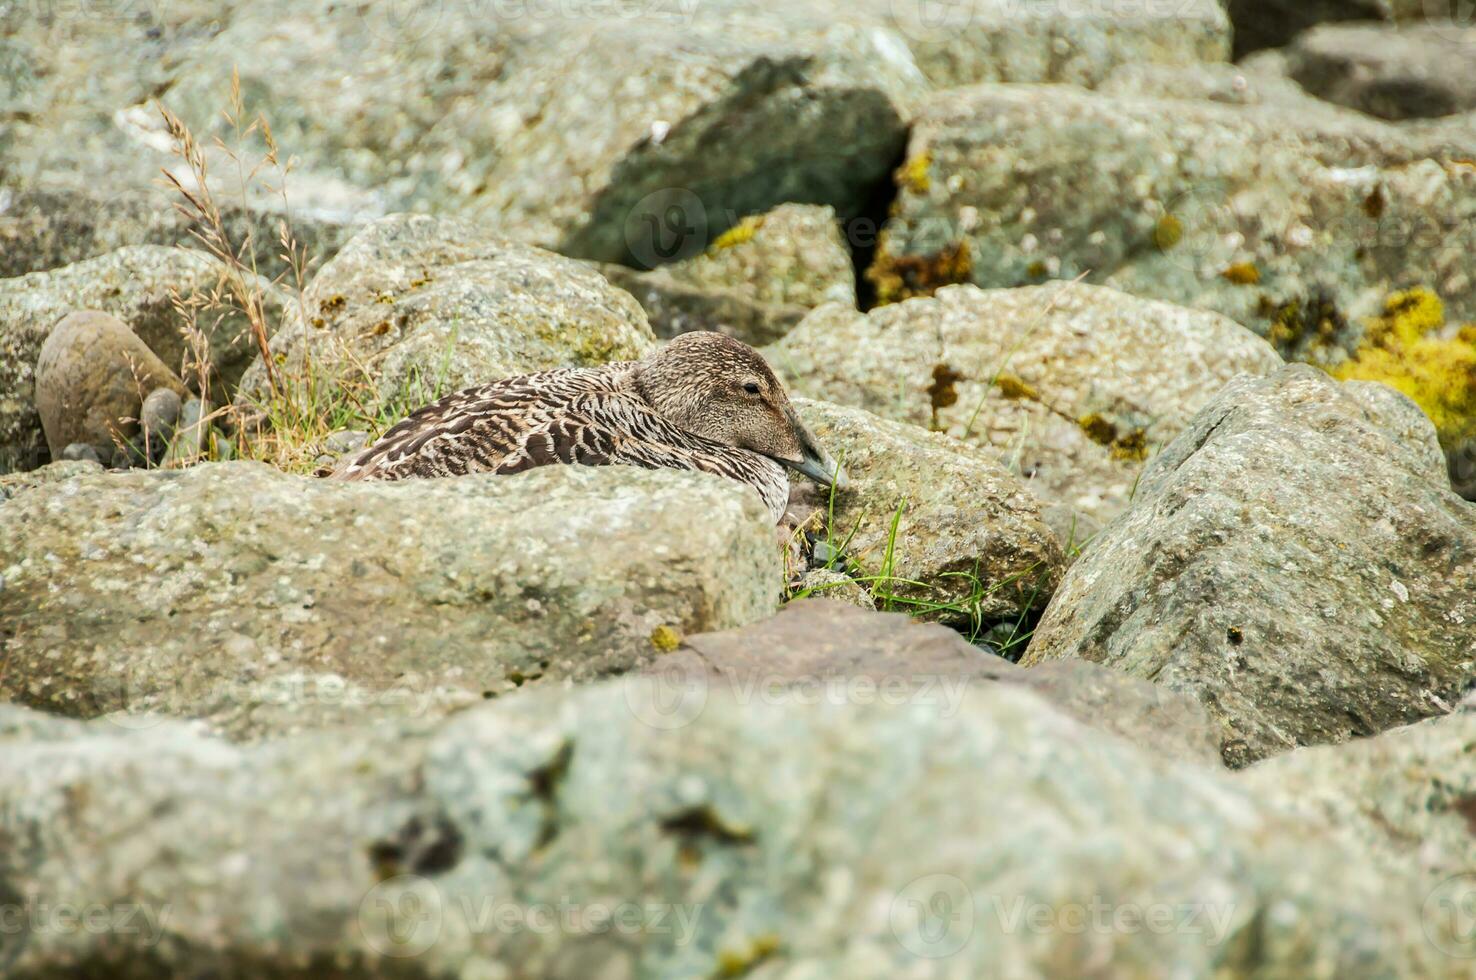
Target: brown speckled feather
588, 416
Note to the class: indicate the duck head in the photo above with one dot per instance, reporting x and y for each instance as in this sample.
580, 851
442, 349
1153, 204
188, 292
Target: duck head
722, 389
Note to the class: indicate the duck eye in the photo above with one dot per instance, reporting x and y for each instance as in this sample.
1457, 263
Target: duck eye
751, 387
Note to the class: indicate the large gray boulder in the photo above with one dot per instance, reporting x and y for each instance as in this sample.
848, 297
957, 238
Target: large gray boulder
1295, 223
574, 834
1273, 23
1404, 798
1295, 559
58, 223
934, 526
416, 306
754, 282
138, 285
1414, 71
263, 602
822, 649
1071, 385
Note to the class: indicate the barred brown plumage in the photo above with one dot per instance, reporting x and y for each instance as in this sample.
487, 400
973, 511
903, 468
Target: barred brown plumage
703, 402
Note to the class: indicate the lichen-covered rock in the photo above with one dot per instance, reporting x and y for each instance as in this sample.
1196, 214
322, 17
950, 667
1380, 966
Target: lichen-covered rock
93, 377
423, 305
792, 255
15, 483
1295, 559
754, 282
46, 227
1414, 71
675, 307
948, 532
137, 285
564, 834
1289, 221
1071, 385
1273, 23
640, 145
1404, 798
227, 587
832, 649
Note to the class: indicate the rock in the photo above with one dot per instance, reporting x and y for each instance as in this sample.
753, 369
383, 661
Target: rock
12, 484
754, 282
793, 255
192, 438
560, 834
1417, 70
421, 306
1295, 559
1273, 23
92, 378
1293, 222
229, 590
675, 307
137, 286
641, 145
969, 545
831, 650
834, 586
159, 417
43, 227
1081, 389
1403, 798
81, 451
1024, 41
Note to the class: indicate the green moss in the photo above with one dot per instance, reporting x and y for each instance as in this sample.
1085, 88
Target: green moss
1098, 429
1131, 446
1305, 329
1400, 349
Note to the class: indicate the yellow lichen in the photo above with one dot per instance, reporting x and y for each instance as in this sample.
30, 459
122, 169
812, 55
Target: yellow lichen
1098, 429
665, 639
1438, 373
1242, 274
1168, 232
1013, 387
900, 277
913, 175
742, 232
1131, 447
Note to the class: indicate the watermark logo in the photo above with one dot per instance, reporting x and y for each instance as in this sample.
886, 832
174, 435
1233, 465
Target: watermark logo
669, 698
1449, 916
931, 20
401, 916
933, 916
666, 225
138, 924
401, 22
1454, 20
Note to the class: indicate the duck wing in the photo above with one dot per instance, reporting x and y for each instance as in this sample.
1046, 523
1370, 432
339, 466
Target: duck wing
575, 416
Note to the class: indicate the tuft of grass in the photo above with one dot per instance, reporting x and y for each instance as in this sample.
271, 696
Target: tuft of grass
329, 388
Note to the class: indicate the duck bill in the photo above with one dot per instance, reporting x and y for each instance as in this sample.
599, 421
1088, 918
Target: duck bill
816, 463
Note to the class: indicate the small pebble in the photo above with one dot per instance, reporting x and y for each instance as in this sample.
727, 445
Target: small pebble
82, 451
158, 417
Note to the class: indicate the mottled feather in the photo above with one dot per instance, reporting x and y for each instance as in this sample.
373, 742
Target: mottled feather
585, 416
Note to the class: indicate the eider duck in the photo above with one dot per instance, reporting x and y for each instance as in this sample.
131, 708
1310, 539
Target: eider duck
704, 401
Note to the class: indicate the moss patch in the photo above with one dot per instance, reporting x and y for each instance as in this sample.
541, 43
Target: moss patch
1015, 388
901, 277
1305, 329
665, 639
1401, 350
1130, 446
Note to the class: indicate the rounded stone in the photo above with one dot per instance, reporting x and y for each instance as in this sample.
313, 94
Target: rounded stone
91, 378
